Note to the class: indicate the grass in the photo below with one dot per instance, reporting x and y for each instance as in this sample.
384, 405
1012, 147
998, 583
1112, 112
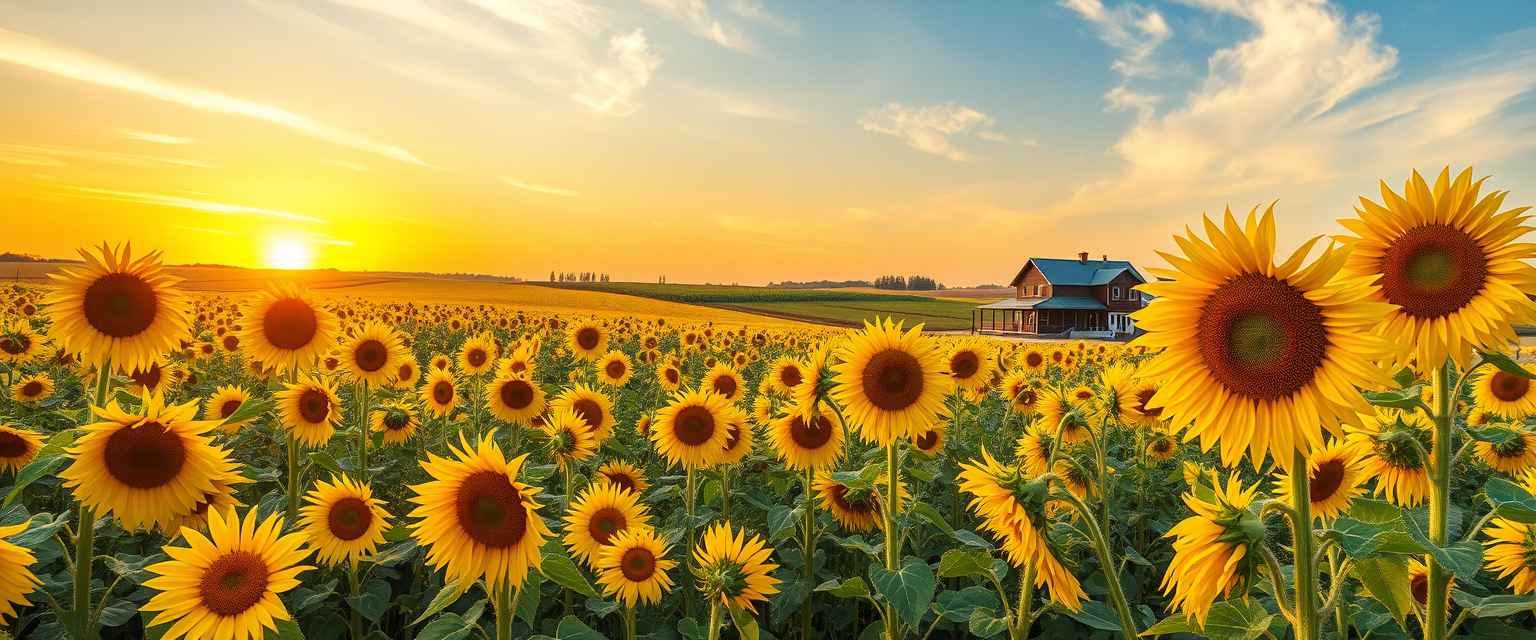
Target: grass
825, 306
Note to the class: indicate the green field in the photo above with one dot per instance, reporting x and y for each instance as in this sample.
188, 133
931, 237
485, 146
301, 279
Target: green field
846, 308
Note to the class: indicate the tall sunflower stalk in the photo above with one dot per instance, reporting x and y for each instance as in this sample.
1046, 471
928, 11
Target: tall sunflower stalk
85, 534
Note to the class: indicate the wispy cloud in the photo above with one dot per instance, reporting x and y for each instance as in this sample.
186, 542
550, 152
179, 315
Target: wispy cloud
47, 57
612, 88
742, 105
755, 11
178, 202
207, 230
157, 138
930, 128
696, 16
58, 153
539, 188
1137, 32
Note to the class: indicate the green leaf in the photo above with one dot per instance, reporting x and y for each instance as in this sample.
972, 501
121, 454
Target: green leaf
249, 410
1506, 365
746, 625
289, 630
1494, 606
782, 521
1373, 526
909, 590
45, 463
447, 595
851, 588
985, 625
326, 461
1386, 579
964, 563
927, 512
448, 626
1237, 620
1511, 500
956, 606
1176, 623
557, 566
1406, 399
572, 628
970, 539
856, 480
372, 602
1463, 558
528, 599
1097, 615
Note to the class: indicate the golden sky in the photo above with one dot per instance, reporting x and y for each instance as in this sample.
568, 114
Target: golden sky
725, 141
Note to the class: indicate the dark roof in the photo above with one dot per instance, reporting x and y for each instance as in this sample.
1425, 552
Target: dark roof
1054, 303
1059, 271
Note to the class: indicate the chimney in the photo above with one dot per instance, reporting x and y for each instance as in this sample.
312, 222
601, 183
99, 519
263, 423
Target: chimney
1104, 257
1082, 256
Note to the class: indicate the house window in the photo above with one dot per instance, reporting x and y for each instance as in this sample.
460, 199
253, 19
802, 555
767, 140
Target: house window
1114, 293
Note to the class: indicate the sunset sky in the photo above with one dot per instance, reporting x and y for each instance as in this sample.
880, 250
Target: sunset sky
733, 140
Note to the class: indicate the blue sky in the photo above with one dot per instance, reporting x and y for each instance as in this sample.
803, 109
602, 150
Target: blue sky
740, 140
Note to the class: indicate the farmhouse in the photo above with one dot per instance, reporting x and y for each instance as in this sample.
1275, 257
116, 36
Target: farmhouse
1056, 297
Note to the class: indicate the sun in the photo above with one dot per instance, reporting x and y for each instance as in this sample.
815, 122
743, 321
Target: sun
288, 253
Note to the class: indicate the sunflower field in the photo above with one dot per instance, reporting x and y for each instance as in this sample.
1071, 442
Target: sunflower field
1329, 443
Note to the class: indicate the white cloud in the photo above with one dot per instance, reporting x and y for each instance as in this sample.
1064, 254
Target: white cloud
44, 56
1135, 31
930, 129
742, 105
611, 89
755, 11
157, 138
539, 188
178, 202
58, 153
696, 16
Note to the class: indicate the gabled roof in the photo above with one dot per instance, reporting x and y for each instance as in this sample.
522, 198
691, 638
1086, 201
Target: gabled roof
1054, 303
1059, 271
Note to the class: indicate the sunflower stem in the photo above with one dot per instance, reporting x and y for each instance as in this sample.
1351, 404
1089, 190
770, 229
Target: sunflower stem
504, 611
1277, 579
1439, 499
692, 540
1020, 628
808, 525
362, 428
85, 533
1107, 564
293, 480
1307, 624
725, 492
355, 620
629, 623
1337, 576
892, 540
714, 621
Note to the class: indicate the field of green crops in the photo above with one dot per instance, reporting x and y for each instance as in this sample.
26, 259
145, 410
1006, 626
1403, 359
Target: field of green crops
847, 308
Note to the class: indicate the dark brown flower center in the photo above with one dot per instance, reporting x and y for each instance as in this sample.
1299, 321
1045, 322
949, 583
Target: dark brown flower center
31, 389
893, 380
672, 375
810, 436
1508, 387
146, 456
371, 355
588, 337
14, 344
928, 440
442, 392
590, 411
637, 564
1261, 337
732, 437
606, 523
695, 425
1433, 270
861, 503
964, 364
120, 305
476, 357
1418, 585
13, 446
1326, 479
314, 406
1033, 360
790, 376
233, 583
349, 518
229, 408
490, 510
231, 342
147, 378
724, 385
290, 324
621, 479
1143, 397
615, 369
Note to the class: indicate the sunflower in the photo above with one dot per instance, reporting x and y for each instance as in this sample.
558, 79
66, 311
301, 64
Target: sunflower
1142, 392
145, 468
691, 431
396, 420
342, 520
1012, 507
734, 569
855, 509
1418, 581
1514, 452
476, 520
1215, 551
808, 395
970, 363
1258, 356
1382, 443
310, 410
406, 373
221, 499
614, 369
633, 567
723, 381
440, 394
1032, 450
1505, 394
19, 344
32, 389
155, 378
1019, 391
519, 363
117, 308
18, 446
764, 408
891, 383
515, 399
602, 511
1334, 478
669, 376
225, 586
1453, 265
587, 340
1510, 551
786, 374
373, 354
1161, 446
285, 328
592, 405
224, 402
738, 441
1058, 411
931, 440
1117, 398
477, 355
440, 362
16, 578
570, 439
